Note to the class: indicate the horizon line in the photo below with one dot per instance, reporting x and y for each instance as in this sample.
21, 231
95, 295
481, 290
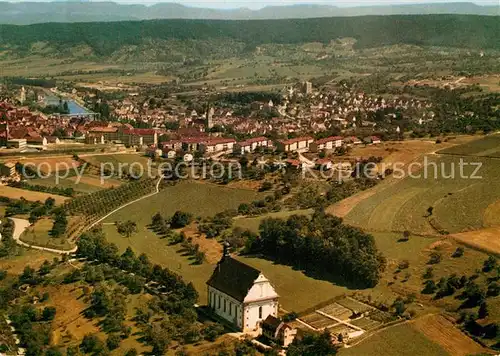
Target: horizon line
191, 4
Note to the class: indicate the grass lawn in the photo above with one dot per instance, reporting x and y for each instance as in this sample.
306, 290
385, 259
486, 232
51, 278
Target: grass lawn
297, 291
38, 234
206, 200
199, 199
399, 340
158, 251
26, 257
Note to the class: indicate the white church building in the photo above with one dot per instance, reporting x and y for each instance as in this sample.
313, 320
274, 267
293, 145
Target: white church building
241, 294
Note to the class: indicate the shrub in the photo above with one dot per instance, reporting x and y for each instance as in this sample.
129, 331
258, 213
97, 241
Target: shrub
430, 287
404, 264
180, 219
434, 258
489, 264
290, 316
113, 341
429, 273
459, 252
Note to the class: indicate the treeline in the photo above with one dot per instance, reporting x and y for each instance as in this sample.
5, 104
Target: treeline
7, 244
67, 192
243, 98
32, 82
370, 31
322, 245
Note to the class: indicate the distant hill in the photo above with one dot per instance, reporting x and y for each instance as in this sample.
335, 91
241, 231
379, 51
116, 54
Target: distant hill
176, 40
85, 11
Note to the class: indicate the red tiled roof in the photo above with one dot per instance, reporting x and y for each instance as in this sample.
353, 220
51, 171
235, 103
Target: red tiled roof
194, 139
140, 132
104, 129
293, 162
323, 161
218, 141
253, 140
329, 139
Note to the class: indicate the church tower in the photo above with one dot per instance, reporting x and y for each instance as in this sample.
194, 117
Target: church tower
22, 95
209, 117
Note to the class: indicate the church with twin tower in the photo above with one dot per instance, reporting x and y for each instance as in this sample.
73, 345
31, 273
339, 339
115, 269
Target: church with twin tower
241, 294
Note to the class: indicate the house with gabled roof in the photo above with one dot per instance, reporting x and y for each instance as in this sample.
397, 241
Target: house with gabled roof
241, 294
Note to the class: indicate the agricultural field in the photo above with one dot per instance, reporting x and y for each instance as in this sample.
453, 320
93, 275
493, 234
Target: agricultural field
70, 325
399, 340
428, 335
121, 164
488, 146
440, 330
489, 83
48, 165
458, 203
51, 181
16, 193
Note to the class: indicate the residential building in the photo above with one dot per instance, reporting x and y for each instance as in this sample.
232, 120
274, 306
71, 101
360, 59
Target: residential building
353, 140
241, 294
324, 164
218, 145
252, 144
372, 140
134, 137
19, 143
175, 145
327, 143
94, 139
294, 144
277, 331
8, 169
192, 144
109, 133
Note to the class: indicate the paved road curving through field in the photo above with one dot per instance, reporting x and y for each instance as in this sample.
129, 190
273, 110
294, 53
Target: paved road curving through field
20, 225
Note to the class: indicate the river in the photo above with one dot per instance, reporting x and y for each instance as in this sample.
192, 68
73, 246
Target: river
73, 106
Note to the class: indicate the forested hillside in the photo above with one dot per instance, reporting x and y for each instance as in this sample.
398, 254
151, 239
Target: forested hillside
85, 11
104, 38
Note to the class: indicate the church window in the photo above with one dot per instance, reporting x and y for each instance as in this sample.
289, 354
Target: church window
260, 312
224, 305
219, 301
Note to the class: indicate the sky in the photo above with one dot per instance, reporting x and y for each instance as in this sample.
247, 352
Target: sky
256, 4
